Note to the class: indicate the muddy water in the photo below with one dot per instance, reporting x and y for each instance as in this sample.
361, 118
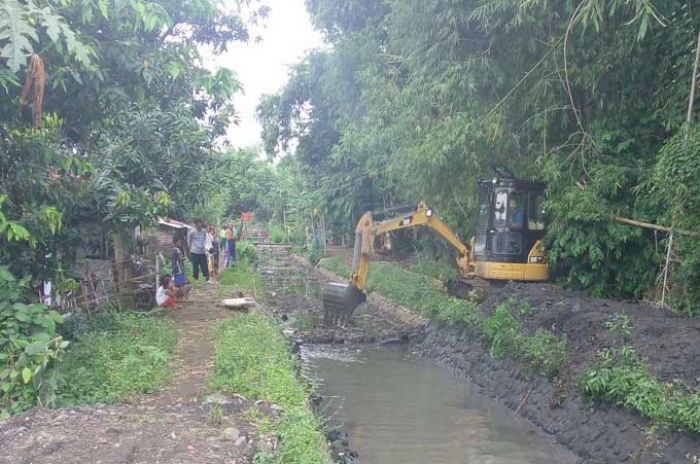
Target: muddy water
397, 408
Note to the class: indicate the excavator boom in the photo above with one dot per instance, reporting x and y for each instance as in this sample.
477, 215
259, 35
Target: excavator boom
341, 299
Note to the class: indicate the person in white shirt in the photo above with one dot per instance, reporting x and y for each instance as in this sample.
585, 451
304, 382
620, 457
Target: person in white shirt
165, 295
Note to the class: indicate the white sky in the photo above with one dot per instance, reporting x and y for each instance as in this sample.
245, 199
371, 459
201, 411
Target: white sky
263, 67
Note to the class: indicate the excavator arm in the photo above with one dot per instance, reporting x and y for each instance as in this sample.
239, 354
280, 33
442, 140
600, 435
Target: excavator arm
340, 300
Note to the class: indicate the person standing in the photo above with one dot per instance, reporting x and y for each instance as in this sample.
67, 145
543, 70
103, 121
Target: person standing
230, 246
214, 267
197, 243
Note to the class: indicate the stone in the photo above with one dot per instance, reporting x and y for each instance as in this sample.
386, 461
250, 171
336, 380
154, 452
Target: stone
230, 434
240, 442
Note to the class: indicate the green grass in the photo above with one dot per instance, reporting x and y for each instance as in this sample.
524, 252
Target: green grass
240, 276
253, 359
438, 268
335, 264
120, 355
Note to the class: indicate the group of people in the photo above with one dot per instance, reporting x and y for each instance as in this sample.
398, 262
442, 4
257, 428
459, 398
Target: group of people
204, 245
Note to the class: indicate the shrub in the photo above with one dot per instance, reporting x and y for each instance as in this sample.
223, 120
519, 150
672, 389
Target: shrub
277, 235
29, 347
246, 251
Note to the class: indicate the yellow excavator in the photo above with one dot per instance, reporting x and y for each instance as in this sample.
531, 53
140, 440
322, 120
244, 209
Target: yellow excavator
506, 244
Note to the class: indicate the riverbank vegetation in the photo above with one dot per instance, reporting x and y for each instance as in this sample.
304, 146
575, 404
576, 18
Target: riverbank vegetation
253, 359
621, 377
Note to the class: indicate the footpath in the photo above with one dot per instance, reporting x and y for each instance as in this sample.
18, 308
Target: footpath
171, 426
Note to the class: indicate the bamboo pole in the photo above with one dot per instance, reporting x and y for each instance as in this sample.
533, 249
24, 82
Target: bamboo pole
649, 225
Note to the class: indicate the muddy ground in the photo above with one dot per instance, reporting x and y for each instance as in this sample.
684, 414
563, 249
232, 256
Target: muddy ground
598, 434
176, 425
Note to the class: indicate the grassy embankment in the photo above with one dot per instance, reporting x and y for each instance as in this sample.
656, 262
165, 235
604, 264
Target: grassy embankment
253, 359
620, 377
120, 355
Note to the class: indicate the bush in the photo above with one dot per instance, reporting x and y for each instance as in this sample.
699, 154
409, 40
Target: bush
246, 251
29, 347
120, 355
277, 235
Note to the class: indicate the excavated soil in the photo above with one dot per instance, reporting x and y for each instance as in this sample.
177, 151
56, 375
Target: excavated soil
173, 426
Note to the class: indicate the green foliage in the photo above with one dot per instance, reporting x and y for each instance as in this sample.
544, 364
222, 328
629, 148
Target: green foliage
621, 377
246, 251
277, 235
253, 359
29, 347
506, 337
418, 98
437, 267
120, 355
316, 252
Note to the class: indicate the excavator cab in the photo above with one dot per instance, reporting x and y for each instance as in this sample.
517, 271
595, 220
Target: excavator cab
506, 244
509, 230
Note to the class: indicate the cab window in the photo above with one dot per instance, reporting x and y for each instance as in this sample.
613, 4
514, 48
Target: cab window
535, 214
516, 211
500, 211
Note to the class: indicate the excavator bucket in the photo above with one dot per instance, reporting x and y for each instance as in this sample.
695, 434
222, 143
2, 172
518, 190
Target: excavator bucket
340, 300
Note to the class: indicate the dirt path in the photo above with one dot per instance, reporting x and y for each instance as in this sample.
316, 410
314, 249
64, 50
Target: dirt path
172, 426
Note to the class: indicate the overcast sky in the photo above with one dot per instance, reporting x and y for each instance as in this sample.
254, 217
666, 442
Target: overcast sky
263, 67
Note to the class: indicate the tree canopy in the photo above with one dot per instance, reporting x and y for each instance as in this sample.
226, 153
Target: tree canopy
419, 98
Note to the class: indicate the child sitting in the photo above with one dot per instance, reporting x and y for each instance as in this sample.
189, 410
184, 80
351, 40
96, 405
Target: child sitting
165, 295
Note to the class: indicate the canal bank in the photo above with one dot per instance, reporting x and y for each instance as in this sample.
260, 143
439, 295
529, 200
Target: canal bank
596, 432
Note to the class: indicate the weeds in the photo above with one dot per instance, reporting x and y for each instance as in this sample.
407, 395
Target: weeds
506, 337
622, 378
121, 354
253, 359
304, 320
